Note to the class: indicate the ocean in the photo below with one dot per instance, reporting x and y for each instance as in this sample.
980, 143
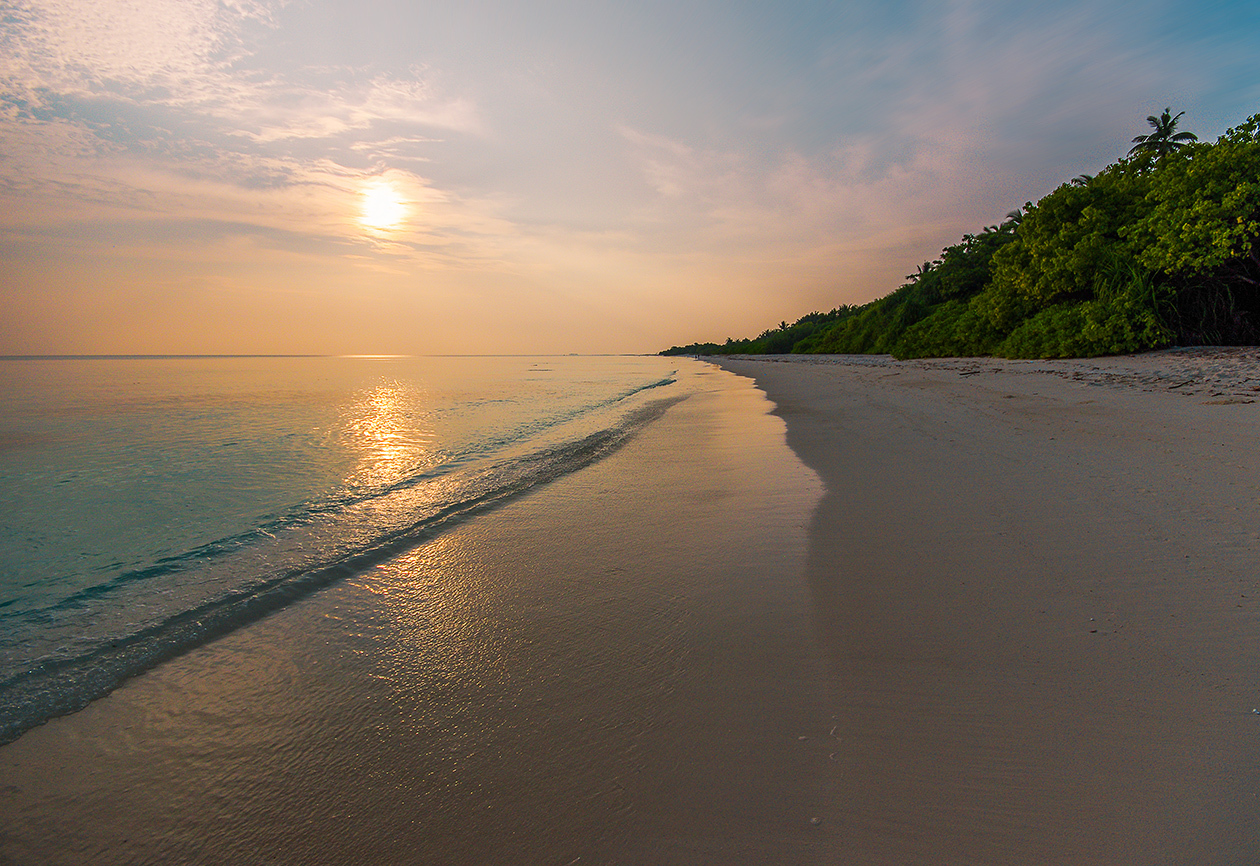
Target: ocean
405, 610
153, 503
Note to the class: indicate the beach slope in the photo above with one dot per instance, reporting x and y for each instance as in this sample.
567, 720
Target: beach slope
1037, 587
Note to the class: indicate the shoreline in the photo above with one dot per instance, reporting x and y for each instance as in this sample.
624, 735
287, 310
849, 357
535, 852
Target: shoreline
975, 612
1035, 586
615, 667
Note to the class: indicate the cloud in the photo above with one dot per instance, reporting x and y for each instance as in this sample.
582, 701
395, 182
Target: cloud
67, 45
328, 104
125, 110
660, 159
938, 128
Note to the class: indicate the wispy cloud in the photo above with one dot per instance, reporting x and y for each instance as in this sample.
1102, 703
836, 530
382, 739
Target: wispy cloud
67, 46
668, 167
120, 109
941, 128
327, 104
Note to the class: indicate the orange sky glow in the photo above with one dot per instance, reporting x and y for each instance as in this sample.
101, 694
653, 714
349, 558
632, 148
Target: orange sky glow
196, 176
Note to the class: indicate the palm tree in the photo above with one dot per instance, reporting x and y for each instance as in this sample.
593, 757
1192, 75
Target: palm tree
1165, 138
919, 272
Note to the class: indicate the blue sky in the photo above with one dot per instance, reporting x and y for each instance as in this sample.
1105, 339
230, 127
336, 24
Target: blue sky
386, 176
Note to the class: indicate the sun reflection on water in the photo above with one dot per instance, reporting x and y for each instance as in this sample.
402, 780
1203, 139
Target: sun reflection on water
387, 428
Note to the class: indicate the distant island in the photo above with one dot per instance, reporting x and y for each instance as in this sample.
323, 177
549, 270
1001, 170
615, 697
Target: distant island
1160, 248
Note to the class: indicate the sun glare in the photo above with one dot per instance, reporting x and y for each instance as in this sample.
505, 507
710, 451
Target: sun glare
383, 207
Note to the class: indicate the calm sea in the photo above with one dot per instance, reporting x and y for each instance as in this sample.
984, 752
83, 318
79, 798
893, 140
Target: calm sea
151, 504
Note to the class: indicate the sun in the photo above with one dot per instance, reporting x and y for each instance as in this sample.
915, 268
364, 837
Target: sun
383, 208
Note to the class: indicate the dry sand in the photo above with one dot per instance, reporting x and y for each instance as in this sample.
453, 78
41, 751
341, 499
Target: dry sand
1037, 586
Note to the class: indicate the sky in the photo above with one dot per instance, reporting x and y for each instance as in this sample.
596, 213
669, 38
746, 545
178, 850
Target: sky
494, 176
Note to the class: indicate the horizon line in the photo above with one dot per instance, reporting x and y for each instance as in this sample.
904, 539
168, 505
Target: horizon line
141, 357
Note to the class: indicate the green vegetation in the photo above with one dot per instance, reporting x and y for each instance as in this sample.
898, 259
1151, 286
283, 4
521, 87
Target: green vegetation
1163, 137
776, 341
1161, 247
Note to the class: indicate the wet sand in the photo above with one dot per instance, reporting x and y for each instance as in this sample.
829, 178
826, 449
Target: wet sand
1038, 588
619, 667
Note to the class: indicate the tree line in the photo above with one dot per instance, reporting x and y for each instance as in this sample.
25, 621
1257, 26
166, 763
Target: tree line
1159, 248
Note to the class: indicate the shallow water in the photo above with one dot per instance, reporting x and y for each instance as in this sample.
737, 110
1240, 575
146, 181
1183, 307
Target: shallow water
617, 666
153, 503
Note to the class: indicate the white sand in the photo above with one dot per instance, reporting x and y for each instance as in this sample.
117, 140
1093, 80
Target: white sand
1215, 372
1037, 583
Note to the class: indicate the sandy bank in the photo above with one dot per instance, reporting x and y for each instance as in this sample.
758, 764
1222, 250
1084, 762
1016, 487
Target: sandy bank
1037, 587
1232, 371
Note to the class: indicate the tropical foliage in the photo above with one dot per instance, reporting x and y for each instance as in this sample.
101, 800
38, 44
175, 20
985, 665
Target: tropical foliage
1161, 247
775, 341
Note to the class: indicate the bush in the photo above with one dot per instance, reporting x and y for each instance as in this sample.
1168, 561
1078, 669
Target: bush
1124, 318
956, 329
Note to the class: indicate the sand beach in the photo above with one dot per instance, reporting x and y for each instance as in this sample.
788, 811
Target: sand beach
928, 612
1037, 587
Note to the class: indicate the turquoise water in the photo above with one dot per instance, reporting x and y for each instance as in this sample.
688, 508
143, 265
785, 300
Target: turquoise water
618, 666
155, 503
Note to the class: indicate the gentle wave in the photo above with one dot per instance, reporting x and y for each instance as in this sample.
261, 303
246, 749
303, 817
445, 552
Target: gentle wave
83, 648
308, 513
